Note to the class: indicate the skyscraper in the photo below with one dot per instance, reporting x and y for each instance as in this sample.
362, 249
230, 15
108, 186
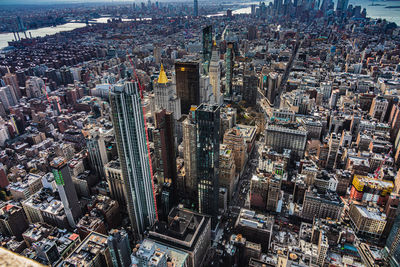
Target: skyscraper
66, 189
164, 146
115, 182
131, 139
165, 95
342, 6
215, 75
96, 148
207, 47
187, 84
229, 63
120, 251
249, 89
195, 8
189, 153
8, 97
11, 80
392, 248
207, 122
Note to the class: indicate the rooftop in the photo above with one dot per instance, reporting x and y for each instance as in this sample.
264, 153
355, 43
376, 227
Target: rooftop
182, 229
153, 251
93, 245
249, 218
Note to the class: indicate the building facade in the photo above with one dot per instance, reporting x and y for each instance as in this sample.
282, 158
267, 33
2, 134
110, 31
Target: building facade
131, 139
207, 122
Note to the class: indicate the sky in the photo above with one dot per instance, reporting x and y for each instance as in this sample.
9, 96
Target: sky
32, 2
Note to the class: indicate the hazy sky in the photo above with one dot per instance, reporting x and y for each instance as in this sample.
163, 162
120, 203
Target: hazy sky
12, 2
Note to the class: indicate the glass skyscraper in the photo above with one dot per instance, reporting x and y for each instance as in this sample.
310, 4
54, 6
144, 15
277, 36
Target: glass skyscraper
207, 119
392, 248
207, 47
131, 139
187, 84
229, 63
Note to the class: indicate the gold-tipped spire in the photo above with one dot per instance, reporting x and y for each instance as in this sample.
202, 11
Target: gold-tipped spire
162, 78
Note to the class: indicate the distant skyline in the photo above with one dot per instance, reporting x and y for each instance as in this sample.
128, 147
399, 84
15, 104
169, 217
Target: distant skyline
41, 2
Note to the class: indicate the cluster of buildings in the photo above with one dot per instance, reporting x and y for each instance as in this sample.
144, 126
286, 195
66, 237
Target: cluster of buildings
261, 139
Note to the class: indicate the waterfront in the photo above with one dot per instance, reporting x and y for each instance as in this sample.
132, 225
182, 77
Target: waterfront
6, 37
374, 12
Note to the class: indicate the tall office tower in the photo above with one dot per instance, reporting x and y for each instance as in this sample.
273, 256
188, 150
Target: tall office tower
157, 54
66, 189
164, 146
326, 5
274, 80
96, 148
251, 32
11, 80
342, 6
392, 248
51, 75
66, 76
206, 90
189, 153
249, 89
195, 8
187, 84
120, 250
34, 87
215, 75
21, 77
207, 47
207, 122
115, 182
229, 63
8, 97
133, 151
334, 142
165, 95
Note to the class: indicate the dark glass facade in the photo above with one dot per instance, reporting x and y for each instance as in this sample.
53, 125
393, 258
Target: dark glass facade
187, 84
208, 132
392, 248
164, 146
249, 90
229, 61
207, 47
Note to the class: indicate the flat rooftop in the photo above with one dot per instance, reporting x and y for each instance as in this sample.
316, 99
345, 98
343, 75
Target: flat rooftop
371, 213
249, 218
93, 245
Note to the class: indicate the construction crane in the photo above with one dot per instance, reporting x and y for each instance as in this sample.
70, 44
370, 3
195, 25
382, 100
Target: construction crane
376, 173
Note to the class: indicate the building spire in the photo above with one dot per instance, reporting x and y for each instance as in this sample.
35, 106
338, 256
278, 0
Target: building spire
162, 78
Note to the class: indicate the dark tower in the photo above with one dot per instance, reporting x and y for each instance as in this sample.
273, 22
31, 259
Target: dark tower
207, 47
120, 251
208, 126
195, 8
187, 84
229, 61
164, 146
66, 189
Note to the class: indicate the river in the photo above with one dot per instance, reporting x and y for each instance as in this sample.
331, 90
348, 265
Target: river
372, 11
